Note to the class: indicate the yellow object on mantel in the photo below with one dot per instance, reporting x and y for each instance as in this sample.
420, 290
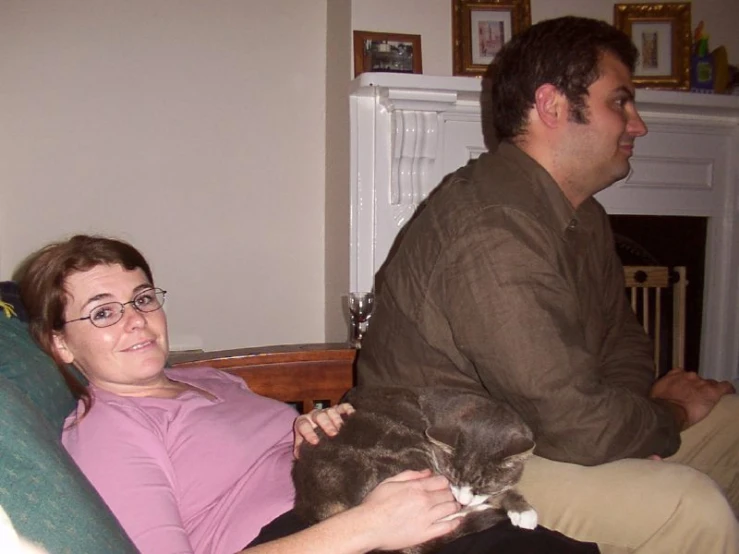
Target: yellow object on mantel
8, 309
720, 70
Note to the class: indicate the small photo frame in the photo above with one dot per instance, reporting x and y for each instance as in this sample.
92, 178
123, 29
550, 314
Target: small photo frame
662, 34
386, 52
480, 28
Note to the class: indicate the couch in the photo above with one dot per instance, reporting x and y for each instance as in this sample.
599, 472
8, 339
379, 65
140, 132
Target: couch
46, 496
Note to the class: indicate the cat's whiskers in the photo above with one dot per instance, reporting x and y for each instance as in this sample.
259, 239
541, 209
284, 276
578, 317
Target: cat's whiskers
478, 499
435, 463
457, 515
466, 511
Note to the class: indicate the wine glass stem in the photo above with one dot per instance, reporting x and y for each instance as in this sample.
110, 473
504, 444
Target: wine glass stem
356, 333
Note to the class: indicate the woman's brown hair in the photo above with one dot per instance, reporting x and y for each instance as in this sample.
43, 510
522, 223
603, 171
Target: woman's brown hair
42, 278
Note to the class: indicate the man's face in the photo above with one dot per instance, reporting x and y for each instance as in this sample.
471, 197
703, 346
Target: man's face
598, 151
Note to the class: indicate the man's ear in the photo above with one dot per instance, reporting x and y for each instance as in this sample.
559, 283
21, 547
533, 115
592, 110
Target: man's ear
60, 347
550, 105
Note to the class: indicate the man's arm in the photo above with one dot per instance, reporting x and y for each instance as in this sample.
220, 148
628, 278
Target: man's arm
516, 317
629, 352
629, 362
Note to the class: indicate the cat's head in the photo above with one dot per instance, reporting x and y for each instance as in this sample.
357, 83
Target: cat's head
483, 443
489, 465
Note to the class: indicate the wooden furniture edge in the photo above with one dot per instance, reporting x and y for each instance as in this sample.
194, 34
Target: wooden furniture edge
272, 354
305, 375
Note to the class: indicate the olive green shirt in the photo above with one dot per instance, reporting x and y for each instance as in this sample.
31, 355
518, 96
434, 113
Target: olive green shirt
499, 286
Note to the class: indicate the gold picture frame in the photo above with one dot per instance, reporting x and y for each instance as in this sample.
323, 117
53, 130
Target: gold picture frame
481, 27
662, 34
387, 52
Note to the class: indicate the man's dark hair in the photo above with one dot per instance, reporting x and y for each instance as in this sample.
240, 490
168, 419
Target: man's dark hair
564, 52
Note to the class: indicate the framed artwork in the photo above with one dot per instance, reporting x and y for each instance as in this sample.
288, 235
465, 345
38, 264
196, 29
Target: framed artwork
661, 33
480, 29
386, 52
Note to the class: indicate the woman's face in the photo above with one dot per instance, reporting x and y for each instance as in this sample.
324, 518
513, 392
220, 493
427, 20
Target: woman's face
127, 355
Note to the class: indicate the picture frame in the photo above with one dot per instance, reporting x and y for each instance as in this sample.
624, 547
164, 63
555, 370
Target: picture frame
387, 52
662, 34
481, 27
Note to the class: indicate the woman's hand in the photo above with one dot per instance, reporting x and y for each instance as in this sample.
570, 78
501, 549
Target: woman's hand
407, 509
402, 511
328, 419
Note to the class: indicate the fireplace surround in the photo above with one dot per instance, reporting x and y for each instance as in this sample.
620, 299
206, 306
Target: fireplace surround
408, 131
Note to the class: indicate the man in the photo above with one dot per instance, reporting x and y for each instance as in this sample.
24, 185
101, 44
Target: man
507, 283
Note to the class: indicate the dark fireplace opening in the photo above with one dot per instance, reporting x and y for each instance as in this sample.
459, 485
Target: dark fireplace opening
671, 241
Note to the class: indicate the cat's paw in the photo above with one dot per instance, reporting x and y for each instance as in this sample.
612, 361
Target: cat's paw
525, 520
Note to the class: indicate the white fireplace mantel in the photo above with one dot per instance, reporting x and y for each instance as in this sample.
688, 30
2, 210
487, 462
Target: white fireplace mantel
408, 131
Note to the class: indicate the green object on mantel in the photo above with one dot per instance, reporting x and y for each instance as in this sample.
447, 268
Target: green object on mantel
701, 62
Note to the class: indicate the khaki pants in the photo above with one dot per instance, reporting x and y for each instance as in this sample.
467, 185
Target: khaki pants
674, 506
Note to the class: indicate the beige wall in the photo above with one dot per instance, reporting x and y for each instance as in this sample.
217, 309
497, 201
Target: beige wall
195, 130
338, 67
213, 135
432, 20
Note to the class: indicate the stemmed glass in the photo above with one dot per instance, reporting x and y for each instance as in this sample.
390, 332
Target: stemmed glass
361, 305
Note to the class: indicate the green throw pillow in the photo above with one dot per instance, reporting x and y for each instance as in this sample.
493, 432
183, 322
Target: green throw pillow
47, 497
24, 364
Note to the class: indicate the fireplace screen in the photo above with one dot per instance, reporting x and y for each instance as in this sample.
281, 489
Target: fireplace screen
669, 241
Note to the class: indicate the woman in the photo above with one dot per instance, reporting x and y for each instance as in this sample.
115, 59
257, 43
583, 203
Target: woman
189, 460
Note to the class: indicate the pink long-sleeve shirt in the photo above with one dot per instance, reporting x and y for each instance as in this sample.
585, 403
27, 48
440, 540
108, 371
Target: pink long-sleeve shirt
188, 475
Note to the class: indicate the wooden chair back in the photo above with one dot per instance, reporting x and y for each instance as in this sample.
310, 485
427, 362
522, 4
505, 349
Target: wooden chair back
306, 376
646, 286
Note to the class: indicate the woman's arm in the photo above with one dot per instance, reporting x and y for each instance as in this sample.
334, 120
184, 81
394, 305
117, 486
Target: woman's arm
129, 467
402, 511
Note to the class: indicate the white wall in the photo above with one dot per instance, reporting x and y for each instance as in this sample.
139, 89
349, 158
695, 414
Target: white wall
193, 129
432, 20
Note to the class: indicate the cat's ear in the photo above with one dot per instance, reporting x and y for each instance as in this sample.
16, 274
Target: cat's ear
519, 450
442, 437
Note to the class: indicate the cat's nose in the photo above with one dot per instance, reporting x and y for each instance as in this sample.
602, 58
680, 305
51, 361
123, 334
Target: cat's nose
463, 494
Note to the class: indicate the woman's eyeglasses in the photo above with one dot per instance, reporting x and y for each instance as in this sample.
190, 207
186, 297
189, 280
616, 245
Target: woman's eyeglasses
110, 313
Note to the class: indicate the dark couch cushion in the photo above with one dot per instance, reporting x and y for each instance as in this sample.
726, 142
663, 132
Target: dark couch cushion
46, 496
24, 364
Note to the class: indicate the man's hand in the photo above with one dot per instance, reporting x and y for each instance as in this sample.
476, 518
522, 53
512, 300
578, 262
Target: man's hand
694, 396
328, 419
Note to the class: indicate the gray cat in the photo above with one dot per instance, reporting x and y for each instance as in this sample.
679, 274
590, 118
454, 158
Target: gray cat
480, 445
